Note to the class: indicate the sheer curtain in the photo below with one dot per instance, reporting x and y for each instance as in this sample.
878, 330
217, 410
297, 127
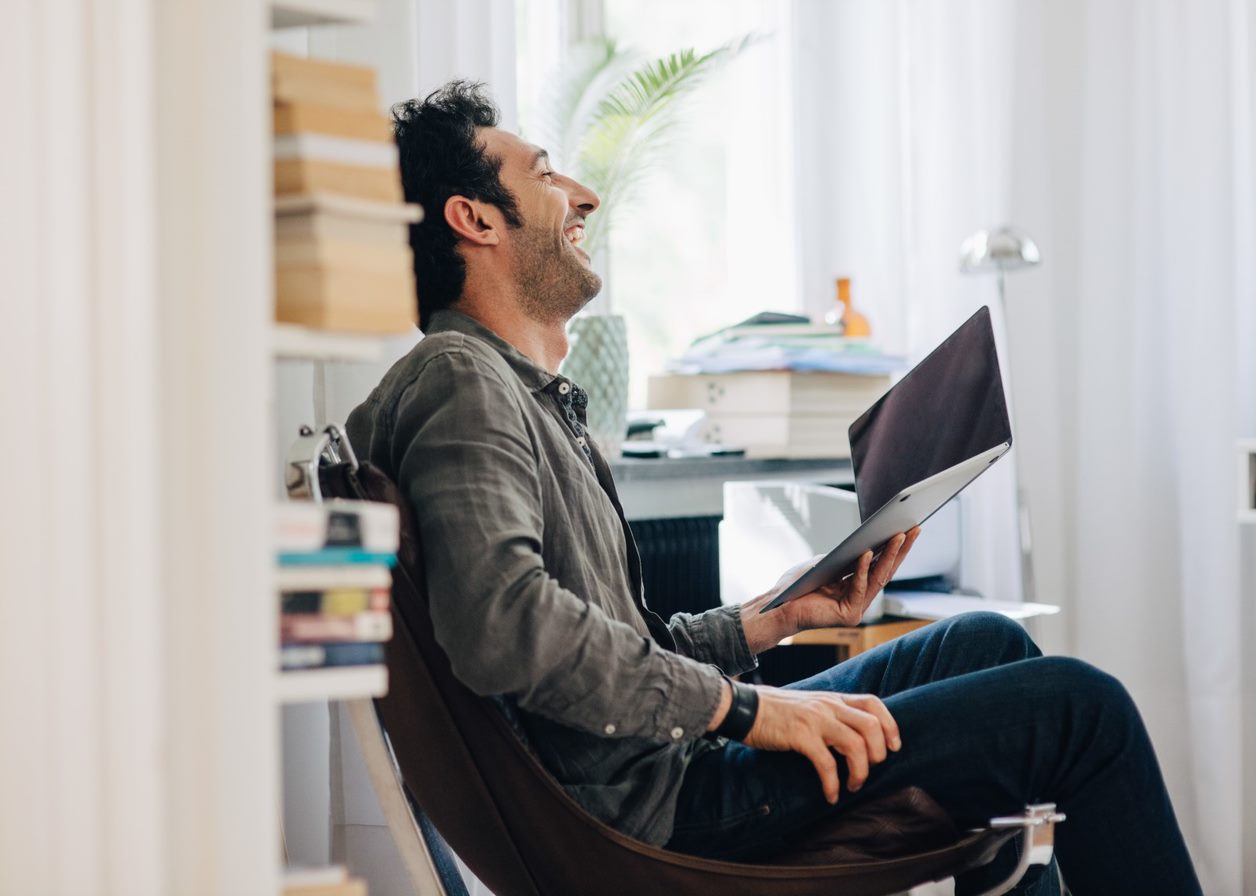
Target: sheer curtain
1120, 135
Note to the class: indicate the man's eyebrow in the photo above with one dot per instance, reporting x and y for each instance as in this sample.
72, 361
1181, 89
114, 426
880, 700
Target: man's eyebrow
541, 156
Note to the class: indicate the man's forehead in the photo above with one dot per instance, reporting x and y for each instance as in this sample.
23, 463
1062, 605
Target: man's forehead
509, 147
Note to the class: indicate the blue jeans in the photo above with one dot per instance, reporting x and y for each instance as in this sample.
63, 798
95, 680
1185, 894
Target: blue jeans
988, 725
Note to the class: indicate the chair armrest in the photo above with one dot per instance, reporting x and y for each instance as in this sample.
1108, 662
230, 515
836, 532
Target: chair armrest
1037, 840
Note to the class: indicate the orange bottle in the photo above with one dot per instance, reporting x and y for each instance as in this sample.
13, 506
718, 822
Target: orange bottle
853, 323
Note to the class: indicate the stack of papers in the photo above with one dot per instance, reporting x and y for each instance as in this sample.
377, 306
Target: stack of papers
796, 347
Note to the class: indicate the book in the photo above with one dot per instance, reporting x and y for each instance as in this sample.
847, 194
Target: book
334, 253
363, 209
354, 886
340, 95
337, 149
312, 526
307, 175
316, 628
336, 601
286, 66
315, 656
779, 435
352, 232
332, 578
313, 876
335, 557
293, 118
346, 300
768, 393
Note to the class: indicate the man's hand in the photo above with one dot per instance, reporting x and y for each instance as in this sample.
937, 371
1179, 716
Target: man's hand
837, 604
816, 723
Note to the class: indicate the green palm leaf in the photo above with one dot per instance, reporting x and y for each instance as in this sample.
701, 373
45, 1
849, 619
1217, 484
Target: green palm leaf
611, 121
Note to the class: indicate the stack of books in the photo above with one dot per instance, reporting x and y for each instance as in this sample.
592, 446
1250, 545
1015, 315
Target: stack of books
342, 248
776, 389
333, 880
772, 413
334, 578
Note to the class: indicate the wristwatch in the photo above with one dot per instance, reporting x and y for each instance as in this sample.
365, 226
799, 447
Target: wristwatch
741, 714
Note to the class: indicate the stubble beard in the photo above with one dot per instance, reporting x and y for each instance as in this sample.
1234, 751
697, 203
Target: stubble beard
554, 283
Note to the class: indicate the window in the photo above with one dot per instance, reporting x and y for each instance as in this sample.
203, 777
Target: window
709, 238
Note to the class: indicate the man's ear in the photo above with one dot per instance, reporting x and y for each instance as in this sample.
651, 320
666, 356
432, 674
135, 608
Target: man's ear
469, 220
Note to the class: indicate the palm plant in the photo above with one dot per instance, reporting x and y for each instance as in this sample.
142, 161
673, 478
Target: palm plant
612, 116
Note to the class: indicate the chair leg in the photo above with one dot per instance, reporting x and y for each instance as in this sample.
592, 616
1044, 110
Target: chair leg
1037, 841
419, 862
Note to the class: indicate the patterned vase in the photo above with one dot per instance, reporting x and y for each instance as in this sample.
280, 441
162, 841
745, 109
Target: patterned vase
598, 363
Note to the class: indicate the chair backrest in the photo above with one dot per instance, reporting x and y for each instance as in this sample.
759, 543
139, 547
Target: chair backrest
515, 827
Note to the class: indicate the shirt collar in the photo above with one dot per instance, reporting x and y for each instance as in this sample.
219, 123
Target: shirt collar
447, 320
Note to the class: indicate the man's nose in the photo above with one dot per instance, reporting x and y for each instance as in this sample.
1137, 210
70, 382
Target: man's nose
581, 197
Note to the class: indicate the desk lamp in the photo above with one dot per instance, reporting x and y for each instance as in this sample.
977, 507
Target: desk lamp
999, 250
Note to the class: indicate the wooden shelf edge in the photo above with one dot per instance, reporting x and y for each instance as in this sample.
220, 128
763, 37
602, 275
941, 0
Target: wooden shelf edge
293, 342
304, 13
335, 683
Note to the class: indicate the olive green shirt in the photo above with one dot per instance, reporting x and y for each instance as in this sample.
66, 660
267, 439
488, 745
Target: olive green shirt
533, 576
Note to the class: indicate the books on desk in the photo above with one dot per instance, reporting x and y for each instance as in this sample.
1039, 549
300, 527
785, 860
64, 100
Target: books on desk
774, 413
334, 573
342, 249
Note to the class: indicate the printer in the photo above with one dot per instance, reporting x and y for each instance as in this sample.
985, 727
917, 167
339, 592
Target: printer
770, 526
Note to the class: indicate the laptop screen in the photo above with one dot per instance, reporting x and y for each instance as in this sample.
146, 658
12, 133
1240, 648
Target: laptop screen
947, 409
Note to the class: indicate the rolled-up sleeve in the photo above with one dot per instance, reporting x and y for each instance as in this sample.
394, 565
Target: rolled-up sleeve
716, 637
468, 462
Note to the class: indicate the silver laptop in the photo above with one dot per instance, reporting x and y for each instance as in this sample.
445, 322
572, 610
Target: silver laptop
921, 444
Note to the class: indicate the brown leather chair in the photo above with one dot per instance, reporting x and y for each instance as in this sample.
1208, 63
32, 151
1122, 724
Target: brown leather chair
462, 763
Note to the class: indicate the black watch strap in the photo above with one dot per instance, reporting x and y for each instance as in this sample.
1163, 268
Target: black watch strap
741, 714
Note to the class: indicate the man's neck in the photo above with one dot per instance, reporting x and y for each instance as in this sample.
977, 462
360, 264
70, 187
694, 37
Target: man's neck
544, 343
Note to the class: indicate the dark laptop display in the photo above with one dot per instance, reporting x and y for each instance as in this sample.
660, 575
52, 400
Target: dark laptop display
949, 408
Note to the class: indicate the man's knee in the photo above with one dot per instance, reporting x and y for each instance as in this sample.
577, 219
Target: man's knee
993, 633
1084, 686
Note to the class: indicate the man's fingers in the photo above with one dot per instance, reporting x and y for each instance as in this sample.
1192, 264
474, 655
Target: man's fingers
887, 563
826, 766
903, 551
868, 727
850, 744
872, 704
859, 581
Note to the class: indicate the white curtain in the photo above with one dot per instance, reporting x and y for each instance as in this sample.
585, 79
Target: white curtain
1158, 335
1120, 135
904, 129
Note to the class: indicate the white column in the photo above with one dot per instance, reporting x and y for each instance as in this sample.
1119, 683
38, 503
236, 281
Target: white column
217, 476
136, 623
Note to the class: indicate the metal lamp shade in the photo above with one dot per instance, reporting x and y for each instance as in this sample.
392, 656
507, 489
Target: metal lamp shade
998, 250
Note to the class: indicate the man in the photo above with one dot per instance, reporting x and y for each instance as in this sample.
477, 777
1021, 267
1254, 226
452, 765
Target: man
536, 596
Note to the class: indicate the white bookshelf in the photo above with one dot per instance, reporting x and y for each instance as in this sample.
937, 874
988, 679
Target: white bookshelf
335, 683
304, 13
296, 343
1245, 481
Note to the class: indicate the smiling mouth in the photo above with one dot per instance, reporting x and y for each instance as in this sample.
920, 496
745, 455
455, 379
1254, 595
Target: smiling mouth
575, 235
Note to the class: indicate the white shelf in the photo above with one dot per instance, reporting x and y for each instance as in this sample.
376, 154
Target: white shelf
336, 683
297, 343
302, 13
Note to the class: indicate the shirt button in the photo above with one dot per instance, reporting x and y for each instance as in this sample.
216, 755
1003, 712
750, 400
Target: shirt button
609, 729
678, 733
582, 441
564, 388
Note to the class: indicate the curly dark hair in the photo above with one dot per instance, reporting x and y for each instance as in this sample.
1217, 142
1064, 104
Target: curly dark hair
441, 157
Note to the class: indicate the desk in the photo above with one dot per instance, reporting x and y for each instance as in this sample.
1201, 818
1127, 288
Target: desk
854, 641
